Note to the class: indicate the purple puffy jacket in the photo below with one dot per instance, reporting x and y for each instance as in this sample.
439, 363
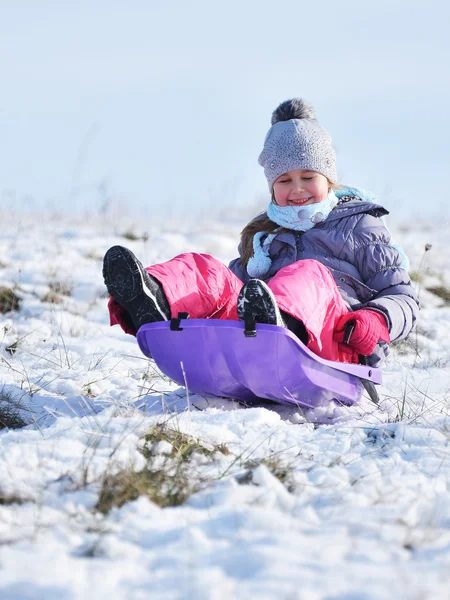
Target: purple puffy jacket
354, 244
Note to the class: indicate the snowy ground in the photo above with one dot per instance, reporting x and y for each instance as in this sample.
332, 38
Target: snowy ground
329, 504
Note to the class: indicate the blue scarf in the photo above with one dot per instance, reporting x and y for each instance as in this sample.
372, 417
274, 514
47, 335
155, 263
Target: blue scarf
302, 218
298, 218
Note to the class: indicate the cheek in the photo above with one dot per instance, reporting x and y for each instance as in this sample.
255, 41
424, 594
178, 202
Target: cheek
321, 191
280, 196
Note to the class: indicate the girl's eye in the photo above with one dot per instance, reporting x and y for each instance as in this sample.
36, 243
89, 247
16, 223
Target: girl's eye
307, 178
283, 180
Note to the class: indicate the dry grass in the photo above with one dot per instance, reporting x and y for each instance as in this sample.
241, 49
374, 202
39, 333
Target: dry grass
277, 465
7, 499
10, 417
92, 255
441, 291
131, 236
168, 478
52, 298
183, 445
158, 485
8, 300
63, 288
417, 276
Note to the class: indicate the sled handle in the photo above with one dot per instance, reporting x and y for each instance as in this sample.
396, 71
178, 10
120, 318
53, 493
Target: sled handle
250, 326
348, 331
175, 322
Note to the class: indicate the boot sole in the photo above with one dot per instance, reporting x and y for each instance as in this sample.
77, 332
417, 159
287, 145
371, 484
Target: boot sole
257, 300
124, 278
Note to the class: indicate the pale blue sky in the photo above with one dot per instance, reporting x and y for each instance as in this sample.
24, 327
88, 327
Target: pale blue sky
163, 106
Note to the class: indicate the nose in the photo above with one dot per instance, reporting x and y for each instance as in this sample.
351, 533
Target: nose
297, 186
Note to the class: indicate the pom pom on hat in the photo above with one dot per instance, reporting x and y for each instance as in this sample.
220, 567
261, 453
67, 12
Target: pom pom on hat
296, 108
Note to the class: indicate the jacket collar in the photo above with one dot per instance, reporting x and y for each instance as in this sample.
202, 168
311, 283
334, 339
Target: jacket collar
355, 207
349, 208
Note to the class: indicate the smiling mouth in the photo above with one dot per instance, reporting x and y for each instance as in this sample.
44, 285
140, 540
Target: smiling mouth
300, 202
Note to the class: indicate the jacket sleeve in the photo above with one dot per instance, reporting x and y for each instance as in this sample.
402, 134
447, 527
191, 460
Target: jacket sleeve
237, 268
379, 264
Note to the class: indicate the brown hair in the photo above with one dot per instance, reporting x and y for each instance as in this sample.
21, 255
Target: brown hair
263, 223
259, 223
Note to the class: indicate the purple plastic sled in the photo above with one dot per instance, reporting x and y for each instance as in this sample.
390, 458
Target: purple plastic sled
214, 357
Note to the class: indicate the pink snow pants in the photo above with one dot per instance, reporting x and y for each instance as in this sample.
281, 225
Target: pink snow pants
204, 287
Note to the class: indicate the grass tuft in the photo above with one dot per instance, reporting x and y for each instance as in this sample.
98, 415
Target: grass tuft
8, 300
9, 412
183, 445
283, 471
51, 298
92, 255
63, 288
158, 485
441, 291
168, 479
7, 499
417, 276
130, 235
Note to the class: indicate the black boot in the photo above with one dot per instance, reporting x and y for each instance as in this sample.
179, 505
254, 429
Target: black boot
133, 288
256, 300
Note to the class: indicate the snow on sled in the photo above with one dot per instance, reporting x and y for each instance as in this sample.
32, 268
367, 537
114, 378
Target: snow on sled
249, 363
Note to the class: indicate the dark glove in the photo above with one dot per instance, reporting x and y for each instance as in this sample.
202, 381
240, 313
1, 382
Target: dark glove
362, 330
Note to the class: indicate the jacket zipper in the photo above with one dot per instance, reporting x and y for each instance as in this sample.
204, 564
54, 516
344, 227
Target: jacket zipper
298, 237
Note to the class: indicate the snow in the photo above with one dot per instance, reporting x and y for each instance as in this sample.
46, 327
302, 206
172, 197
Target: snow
364, 510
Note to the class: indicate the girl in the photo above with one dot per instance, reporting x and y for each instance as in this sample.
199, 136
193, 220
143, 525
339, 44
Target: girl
319, 260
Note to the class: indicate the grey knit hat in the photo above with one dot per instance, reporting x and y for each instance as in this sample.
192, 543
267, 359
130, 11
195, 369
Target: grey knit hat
297, 140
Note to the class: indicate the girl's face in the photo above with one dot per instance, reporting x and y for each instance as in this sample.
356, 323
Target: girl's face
300, 187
